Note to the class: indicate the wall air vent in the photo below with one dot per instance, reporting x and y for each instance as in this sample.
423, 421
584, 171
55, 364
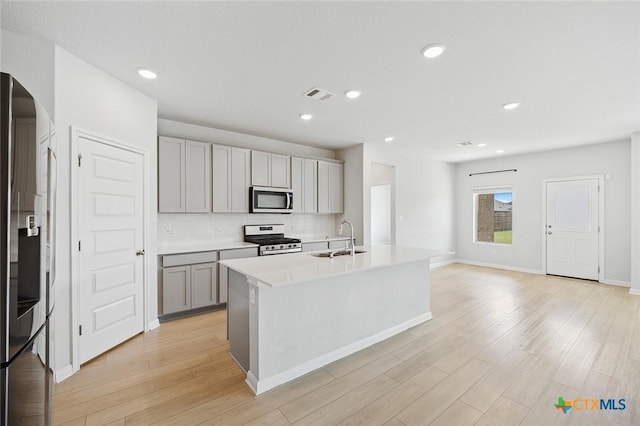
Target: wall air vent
318, 94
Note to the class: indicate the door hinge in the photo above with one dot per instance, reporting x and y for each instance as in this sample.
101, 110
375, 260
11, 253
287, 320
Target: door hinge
79, 245
80, 329
79, 160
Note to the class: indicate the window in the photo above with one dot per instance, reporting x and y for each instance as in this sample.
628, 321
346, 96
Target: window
493, 215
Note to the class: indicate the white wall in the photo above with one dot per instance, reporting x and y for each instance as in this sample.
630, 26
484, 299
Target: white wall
425, 200
31, 62
179, 229
94, 101
526, 251
635, 213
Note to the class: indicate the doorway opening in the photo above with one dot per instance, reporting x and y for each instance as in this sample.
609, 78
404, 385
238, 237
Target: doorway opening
382, 190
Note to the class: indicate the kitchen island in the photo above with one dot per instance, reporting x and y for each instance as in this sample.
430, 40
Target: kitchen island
291, 314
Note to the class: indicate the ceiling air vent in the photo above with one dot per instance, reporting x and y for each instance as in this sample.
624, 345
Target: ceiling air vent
318, 94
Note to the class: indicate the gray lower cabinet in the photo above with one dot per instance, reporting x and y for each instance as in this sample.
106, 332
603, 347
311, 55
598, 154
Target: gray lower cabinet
315, 246
338, 244
176, 289
189, 281
224, 271
325, 245
204, 285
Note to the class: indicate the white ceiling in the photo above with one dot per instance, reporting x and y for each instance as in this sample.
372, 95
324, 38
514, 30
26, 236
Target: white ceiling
243, 66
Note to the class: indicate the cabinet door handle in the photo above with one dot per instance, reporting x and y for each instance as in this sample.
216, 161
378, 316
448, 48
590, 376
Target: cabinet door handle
140, 253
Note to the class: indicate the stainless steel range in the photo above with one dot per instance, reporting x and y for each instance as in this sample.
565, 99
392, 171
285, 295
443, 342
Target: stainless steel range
271, 239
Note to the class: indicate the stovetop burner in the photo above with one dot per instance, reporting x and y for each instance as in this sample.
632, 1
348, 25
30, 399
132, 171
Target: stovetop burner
275, 239
271, 239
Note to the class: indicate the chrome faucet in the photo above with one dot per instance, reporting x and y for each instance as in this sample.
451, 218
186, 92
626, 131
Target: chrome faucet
351, 240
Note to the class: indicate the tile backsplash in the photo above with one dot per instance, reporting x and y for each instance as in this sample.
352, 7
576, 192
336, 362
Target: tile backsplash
181, 228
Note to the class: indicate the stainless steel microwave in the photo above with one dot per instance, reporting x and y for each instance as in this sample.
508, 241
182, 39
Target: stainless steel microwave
270, 200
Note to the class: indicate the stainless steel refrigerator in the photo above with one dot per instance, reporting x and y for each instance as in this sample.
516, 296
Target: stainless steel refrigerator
27, 256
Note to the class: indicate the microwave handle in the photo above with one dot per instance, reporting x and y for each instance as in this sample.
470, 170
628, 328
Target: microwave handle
289, 200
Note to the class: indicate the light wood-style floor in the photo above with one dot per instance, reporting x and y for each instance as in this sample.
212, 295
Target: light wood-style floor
501, 349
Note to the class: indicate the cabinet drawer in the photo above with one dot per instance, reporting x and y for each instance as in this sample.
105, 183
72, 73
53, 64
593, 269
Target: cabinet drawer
315, 246
338, 244
189, 258
238, 253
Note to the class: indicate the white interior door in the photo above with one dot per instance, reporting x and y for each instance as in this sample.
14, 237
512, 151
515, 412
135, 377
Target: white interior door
110, 228
572, 228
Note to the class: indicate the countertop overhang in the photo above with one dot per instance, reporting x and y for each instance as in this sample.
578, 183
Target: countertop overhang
281, 270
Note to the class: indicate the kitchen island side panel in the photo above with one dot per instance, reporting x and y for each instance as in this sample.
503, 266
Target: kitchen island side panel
299, 328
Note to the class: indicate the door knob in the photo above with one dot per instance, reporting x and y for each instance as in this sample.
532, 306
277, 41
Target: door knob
549, 232
140, 253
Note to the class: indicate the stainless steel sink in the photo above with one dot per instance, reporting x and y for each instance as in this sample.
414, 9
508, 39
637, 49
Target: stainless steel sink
336, 253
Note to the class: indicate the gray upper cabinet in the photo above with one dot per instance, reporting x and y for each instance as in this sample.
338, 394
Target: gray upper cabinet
304, 185
231, 179
280, 171
260, 168
269, 169
198, 177
171, 175
240, 179
184, 176
330, 187
310, 186
221, 179
297, 184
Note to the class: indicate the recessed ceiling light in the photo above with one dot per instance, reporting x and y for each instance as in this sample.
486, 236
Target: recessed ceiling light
481, 145
500, 151
433, 50
389, 139
306, 117
511, 105
147, 73
352, 94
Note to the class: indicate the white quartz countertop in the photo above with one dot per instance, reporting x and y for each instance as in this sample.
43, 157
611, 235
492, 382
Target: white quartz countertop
183, 247
198, 247
286, 269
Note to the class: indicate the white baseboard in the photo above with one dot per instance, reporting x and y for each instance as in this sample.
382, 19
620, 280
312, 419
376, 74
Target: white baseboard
63, 373
259, 386
153, 324
616, 282
442, 263
496, 266
634, 291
